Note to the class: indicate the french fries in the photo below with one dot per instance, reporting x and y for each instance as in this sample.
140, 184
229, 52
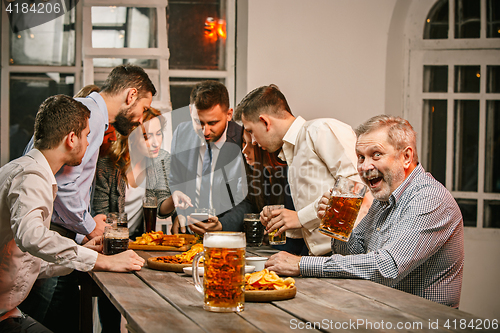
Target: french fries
267, 280
184, 257
158, 238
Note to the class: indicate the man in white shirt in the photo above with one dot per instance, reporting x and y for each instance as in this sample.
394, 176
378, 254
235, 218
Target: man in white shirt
28, 249
316, 152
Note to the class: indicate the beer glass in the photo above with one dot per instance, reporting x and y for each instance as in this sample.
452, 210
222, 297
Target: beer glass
115, 239
149, 205
111, 218
254, 229
121, 220
343, 208
275, 240
224, 271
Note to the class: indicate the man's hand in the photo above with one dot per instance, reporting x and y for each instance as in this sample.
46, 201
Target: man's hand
323, 204
283, 219
94, 244
213, 224
179, 225
100, 223
181, 200
284, 263
122, 262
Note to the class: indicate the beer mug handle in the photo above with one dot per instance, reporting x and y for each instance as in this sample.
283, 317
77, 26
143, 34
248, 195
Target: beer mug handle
196, 276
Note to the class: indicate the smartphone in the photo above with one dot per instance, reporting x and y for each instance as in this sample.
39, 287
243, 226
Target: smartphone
200, 216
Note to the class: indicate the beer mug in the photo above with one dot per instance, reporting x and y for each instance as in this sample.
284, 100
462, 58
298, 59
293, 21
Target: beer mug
115, 239
275, 240
254, 229
343, 208
121, 220
224, 271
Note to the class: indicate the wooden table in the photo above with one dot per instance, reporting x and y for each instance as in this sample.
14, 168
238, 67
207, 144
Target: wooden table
158, 301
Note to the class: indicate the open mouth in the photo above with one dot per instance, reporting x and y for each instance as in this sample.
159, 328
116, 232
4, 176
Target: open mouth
374, 182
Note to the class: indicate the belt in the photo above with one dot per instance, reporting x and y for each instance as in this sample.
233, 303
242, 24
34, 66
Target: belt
63, 231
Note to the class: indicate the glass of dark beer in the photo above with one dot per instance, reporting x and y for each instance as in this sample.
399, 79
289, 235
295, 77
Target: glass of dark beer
149, 205
224, 271
343, 208
115, 240
254, 229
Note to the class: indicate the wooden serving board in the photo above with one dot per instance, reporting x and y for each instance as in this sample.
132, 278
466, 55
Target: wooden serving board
159, 247
163, 266
270, 295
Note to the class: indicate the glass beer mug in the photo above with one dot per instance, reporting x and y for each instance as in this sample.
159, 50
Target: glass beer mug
224, 271
343, 208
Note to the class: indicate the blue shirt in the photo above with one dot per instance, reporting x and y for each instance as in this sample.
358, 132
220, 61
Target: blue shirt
72, 204
413, 242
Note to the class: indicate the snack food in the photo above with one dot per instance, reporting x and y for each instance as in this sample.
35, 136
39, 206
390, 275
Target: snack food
183, 258
159, 238
267, 280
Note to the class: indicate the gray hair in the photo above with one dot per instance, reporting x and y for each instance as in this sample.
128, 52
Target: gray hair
400, 132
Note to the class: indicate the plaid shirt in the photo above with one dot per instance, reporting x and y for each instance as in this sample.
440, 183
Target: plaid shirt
413, 242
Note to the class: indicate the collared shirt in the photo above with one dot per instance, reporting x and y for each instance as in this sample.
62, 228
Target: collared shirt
413, 242
27, 190
216, 147
316, 152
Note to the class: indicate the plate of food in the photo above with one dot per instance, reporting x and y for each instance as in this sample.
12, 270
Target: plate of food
267, 286
189, 270
158, 241
177, 262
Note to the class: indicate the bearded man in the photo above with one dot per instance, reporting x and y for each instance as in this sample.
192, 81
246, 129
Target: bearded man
412, 236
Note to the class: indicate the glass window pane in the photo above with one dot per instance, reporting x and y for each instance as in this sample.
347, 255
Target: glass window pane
492, 153
493, 18
113, 62
27, 92
493, 79
436, 24
51, 43
465, 170
435, 116
467, 18
435, 78
130, 27
197, 34
467, 79
469, 211
491, 214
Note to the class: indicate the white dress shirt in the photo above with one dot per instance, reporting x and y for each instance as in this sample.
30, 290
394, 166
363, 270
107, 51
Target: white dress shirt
316, 152
30, 250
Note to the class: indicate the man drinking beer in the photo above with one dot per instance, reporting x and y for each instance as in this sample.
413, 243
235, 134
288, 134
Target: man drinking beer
412, 237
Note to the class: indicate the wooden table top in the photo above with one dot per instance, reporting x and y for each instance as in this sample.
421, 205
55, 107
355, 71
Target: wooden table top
159, 301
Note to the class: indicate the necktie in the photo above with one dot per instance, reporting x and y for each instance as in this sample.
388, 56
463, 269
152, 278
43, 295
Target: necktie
204, 199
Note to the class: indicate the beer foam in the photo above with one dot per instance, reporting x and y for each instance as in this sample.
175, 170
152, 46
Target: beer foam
225, 241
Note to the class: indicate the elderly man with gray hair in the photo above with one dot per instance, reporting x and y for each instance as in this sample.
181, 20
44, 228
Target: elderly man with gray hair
412, 237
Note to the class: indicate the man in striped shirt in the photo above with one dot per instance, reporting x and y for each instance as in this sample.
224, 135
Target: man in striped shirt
412, 237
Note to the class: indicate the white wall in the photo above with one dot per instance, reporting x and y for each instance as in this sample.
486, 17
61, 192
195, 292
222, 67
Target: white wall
327, 56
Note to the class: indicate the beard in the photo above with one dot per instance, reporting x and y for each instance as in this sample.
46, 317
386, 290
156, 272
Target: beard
387, 179
76, 157
123, 123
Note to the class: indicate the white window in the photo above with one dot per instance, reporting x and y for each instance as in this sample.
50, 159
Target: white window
178, 43
453, 100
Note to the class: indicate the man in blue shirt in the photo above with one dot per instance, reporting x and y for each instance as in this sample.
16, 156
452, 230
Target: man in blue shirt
412, 237
124, 96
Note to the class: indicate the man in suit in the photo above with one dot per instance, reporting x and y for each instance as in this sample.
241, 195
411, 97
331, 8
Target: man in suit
206, 163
